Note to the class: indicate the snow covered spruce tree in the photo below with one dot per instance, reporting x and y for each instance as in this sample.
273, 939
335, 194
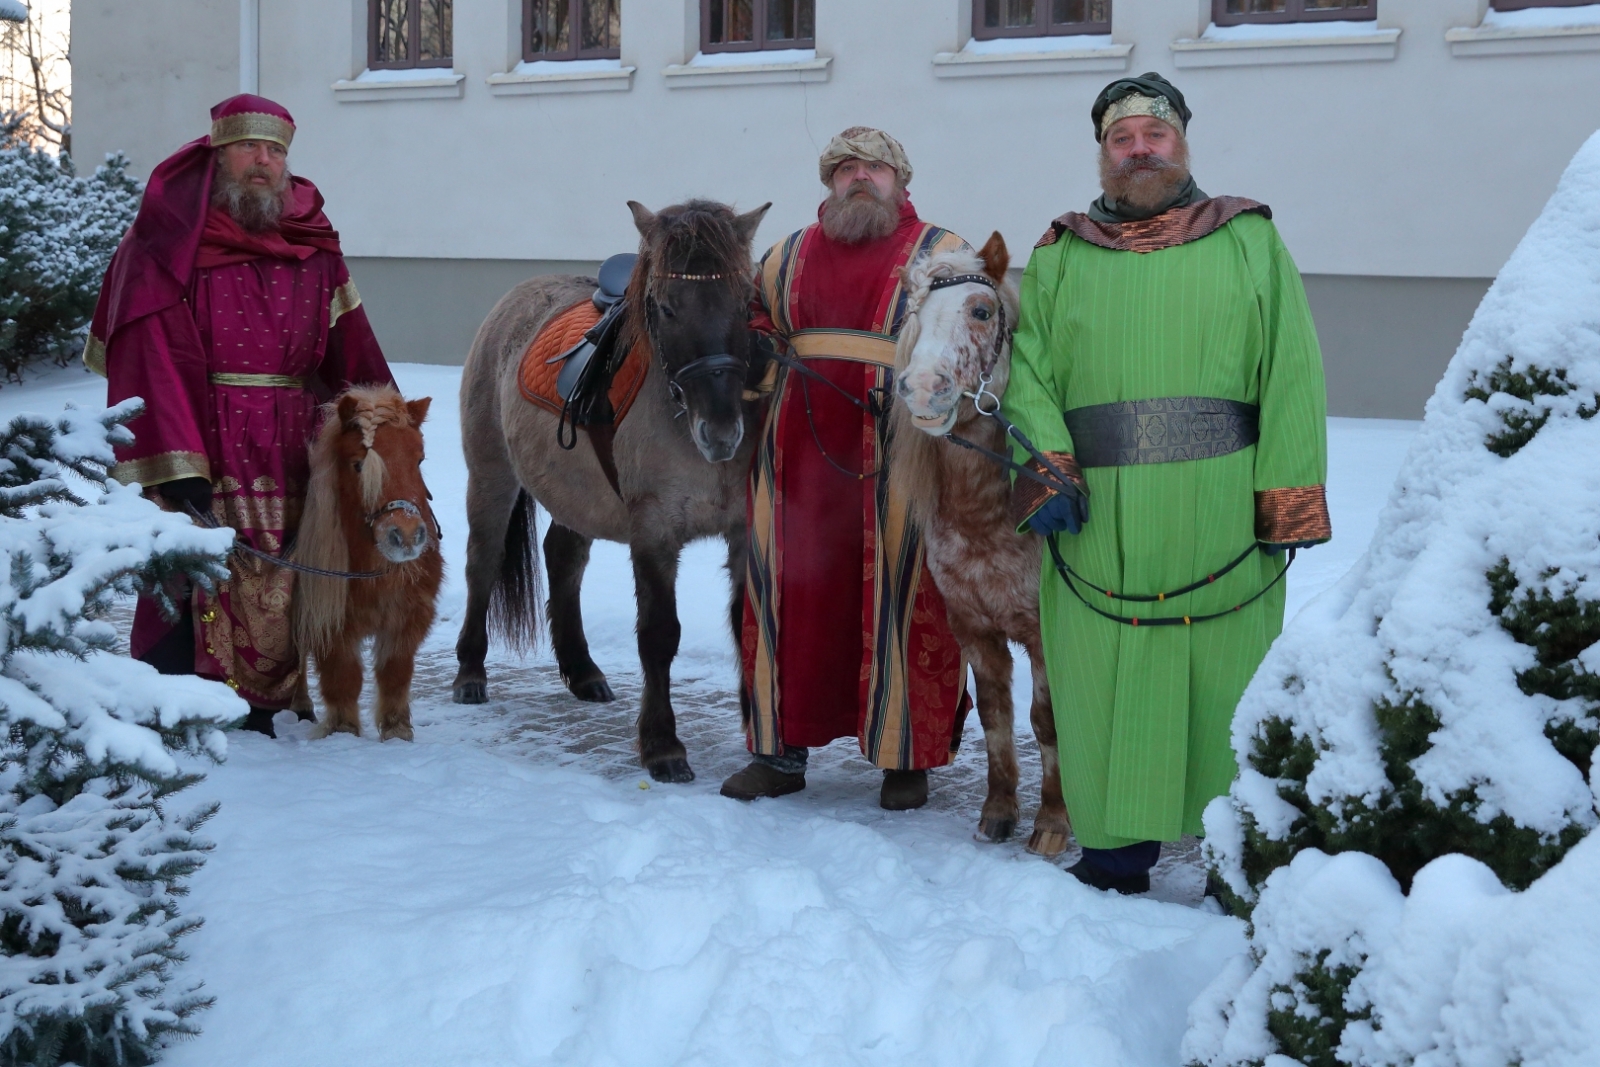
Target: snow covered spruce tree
57, 233
1417, 748
92, 855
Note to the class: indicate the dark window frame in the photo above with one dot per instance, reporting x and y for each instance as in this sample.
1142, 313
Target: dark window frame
1523, 5
1042, 26
759, 41
574, 35
1293, 11
413, 40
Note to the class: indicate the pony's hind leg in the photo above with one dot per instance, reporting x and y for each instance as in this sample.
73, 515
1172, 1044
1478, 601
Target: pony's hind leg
655, 575
339, 678
1051, 828
566, 556
991, 665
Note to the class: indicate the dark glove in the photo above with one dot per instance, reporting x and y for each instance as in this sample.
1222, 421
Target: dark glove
1277, 550
1065, 511
186, 493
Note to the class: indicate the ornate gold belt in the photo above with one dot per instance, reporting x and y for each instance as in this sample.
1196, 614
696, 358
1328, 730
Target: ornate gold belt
264, 381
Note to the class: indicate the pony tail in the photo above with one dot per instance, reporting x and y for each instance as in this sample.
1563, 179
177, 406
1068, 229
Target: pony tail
516, 600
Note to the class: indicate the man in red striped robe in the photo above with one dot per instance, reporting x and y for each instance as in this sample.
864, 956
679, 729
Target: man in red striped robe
844, 630
229, 309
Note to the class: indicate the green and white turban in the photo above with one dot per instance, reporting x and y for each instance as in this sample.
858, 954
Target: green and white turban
1149, 94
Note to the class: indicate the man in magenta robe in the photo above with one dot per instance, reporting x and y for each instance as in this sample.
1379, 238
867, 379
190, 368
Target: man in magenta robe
844, 631
229, 309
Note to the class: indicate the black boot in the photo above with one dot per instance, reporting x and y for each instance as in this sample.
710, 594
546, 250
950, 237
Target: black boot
903, 790
1090, 875
260, 720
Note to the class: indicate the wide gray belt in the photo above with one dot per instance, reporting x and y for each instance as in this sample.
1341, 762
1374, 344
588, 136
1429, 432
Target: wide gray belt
1166, 430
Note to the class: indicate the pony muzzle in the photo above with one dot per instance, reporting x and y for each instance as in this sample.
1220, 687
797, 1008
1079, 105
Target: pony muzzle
401, 532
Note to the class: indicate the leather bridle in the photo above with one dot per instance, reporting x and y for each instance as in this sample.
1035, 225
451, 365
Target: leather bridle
1003, 333
714, 365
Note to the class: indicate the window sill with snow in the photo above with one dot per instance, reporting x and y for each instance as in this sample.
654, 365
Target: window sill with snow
562, 76
1033, 55
414, 83
1286, 43
1531, 31
771, 67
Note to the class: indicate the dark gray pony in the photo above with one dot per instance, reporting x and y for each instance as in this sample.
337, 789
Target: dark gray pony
681, 456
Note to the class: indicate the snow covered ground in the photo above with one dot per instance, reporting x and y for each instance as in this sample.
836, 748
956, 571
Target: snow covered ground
511, 889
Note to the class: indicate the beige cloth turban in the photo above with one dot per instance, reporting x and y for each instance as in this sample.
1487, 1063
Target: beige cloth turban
864, 142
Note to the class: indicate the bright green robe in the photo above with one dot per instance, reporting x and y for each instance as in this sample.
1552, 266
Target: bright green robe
1143, 713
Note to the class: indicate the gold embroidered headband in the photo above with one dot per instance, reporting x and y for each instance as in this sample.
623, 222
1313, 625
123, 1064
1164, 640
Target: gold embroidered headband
1157, 107
251, 126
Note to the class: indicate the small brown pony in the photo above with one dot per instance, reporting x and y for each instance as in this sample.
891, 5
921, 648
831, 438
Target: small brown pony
367, 511
955, 335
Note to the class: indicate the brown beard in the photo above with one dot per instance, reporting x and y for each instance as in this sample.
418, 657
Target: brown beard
256, 209
1144, 182
855, 218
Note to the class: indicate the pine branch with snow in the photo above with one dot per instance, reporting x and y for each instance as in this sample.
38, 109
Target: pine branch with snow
1416, 752
94, 747
58, 231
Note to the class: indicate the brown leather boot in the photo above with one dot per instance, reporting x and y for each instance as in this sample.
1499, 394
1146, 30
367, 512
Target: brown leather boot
759, 780
903, 790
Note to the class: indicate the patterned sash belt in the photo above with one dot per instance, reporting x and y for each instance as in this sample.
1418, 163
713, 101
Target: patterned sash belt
855, 345
264, 381
1166, 430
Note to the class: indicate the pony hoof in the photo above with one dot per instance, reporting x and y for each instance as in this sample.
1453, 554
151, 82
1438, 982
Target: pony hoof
996, 829
674, 770
403, 733
1047, 843
595, 691
470, 693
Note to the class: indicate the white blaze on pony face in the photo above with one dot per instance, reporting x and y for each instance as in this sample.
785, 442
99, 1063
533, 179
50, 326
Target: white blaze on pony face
948, 343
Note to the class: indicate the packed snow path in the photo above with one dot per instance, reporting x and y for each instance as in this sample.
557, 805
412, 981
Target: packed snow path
511, 888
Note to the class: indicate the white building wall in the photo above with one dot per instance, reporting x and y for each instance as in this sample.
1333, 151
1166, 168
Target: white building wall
1428, 165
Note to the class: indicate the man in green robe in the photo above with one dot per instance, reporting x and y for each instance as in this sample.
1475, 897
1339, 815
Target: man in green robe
1165, 361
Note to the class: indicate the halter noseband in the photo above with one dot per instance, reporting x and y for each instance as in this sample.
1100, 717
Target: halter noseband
1002, 333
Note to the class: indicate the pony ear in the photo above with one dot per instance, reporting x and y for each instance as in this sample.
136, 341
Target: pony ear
418, 409
749, 222
995, 257
346, 410
643, 217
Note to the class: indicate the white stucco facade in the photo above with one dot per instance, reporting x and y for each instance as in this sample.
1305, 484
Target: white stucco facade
1419, 147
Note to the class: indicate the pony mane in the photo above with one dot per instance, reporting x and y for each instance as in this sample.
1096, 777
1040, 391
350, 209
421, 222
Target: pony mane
695, 237
319, 603
913, 454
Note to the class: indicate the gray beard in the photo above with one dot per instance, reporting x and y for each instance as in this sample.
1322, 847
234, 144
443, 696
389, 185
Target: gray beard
1146, 182
256, 210
855, 220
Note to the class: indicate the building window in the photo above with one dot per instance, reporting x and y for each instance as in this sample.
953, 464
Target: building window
757, 25
408, 33
1039, 18
1236, 12
571, 29
1519, 5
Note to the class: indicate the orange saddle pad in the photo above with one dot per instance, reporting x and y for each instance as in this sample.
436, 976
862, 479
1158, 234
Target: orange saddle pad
537, 375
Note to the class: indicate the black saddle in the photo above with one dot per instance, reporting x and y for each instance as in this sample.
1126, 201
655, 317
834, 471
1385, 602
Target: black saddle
587, 367
584, 381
